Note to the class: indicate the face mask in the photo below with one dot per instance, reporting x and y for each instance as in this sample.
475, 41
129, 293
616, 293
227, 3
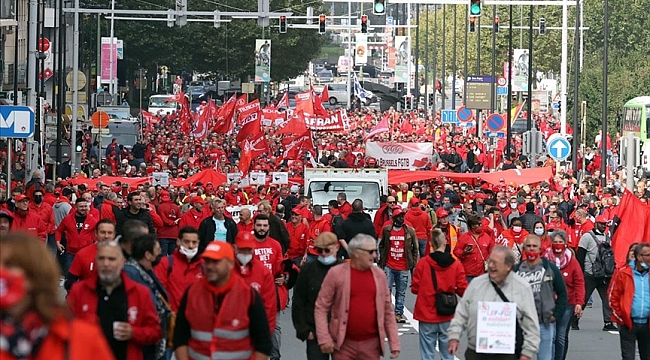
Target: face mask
513, 205
539, 232
38, 199
157, 261
644, 265
327, 260
398, 224
530, 256
244, 259
558, 248
189, 253
503, 205
12, 284
516, 229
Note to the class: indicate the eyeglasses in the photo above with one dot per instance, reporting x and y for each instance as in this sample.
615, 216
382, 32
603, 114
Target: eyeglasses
371, 251
322, 250
391, 202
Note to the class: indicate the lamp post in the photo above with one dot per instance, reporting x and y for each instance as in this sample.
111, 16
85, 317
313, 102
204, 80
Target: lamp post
603, 139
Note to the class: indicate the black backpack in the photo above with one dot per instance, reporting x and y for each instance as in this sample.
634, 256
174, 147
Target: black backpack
337, 224
604, 265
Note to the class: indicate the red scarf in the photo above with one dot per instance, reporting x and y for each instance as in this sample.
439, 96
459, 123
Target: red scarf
220, 290
562, 261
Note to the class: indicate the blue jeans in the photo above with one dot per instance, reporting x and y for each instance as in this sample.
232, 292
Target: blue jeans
401, 279
547, 341
424, 246
562, 333
167, 246
67, 261
430, 335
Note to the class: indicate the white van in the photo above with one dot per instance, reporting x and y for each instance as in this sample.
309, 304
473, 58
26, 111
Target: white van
157, 104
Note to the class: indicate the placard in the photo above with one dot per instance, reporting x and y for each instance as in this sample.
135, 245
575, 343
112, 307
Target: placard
160, 178
280, 178
496, 327
257, 177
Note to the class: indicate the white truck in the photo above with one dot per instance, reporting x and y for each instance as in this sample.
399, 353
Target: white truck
324, 184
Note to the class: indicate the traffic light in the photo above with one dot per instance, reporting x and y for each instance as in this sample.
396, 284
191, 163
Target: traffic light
475, 8
364, 24
283, 24
542, 26
472, 24
432, 98
379, 7
496, 24
321, 24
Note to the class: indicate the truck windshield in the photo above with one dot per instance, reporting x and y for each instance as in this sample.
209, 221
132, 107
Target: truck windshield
321, 192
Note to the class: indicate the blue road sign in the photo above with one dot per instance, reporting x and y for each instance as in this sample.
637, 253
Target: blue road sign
389, 20
556, 105
559, 148
16, 122
480, 79
464, 114
502, 90
495, 123
449, 117
496, 134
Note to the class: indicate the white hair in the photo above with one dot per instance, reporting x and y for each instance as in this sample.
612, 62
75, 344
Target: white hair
358, 241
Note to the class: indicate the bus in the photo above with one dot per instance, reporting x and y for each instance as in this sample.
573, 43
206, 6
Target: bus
636, 120
157, 104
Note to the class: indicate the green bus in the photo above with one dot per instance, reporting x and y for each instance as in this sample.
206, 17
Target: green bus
636, 117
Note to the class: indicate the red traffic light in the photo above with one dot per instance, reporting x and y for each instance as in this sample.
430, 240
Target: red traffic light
364, 18
283, 18
496, 19
321, 18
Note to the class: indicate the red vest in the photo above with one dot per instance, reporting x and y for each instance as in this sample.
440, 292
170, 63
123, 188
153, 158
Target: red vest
224, 335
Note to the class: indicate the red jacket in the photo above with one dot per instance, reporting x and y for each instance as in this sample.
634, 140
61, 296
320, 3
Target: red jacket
155, 219
324, 224
298, 236
31, 222
473, 262
107, 210
450, 278
621, 296
345, 209
573, 278
381, 217
169, 213
46, 213
192, 218
420, 221
260, 278
236, 198
241, 227
83, 264
182, 274
141, 312
76, 240
49, 198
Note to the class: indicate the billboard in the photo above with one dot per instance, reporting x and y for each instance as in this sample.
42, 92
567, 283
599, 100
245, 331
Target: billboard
118, 54
520, 70
402, 59
405, 156
262, 60
361, 51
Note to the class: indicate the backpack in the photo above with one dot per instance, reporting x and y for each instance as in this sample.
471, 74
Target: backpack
604, 265
337, 224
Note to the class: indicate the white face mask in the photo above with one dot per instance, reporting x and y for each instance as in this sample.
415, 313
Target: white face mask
244, 259
513, 205
190, 253
516, 229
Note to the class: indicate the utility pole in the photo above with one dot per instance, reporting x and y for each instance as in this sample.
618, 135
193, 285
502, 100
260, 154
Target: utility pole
564, 63
494, 37
603, 139
443, 70
509, 77
576, 86
75, 88
453, 61
529, 114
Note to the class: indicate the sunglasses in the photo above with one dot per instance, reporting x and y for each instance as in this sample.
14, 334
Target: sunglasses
323, 250
391, 202
371, 251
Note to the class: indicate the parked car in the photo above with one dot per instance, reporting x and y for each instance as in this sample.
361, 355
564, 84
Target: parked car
324, 76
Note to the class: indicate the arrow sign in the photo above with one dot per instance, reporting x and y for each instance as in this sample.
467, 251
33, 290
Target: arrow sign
559, 148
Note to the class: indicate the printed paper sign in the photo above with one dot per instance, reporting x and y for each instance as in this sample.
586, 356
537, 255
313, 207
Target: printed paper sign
496, 327
280, 178
258, 177
160, 178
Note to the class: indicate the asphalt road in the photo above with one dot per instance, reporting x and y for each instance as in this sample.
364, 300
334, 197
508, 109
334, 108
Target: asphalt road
590, 342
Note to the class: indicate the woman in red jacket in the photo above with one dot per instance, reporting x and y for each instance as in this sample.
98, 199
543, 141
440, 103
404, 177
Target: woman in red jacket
450, 277
561, 255
473, 248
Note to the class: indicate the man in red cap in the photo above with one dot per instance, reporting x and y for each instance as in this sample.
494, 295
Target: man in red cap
421, 223
236, 326
170, 214
298, 236
255, 274
195, 215
28, 220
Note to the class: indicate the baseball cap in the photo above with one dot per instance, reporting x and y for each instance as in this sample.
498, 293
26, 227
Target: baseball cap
218, 250
244, 240
397, 210
296, 211
7, 215
414, 201
602, 219
325, 239
440, 213
164, 196
198, 200
21, 197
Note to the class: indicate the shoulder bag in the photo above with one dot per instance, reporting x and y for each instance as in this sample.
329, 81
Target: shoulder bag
446, 302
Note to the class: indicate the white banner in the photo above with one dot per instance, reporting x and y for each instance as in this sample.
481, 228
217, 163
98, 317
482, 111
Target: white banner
361, 52
392, 155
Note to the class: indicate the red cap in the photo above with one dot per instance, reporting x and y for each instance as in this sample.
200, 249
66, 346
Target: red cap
218, 250
164, 196
198, 200
245, 240
296, 211
372, 161
440, 213
602, 219
397, 210
414, 201
20, 198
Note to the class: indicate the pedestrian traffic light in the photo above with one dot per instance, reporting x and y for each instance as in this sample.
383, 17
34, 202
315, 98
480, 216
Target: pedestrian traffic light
283, 24
364, 24
496, 24
542, 26
472, 24
475, 8
432, 98
321, 24
379, 8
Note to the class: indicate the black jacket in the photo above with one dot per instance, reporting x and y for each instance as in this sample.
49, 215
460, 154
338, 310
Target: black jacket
305, 293
528, 220
207, 229
124, 215
358, 223
279, 232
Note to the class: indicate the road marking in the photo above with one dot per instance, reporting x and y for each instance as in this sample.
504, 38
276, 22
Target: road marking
613, 332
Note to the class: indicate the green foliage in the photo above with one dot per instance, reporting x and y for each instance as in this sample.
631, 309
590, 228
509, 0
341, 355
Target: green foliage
200, 47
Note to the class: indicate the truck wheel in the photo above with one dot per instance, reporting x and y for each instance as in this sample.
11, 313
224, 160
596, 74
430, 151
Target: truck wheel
333, 101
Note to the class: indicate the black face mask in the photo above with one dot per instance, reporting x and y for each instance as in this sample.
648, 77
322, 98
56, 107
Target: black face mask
38, 199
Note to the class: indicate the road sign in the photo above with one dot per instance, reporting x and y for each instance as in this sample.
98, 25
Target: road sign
502, 90
556, 105
495, 123
495, 134
449, 117
480, 79
16, 122
501, 81
464, 114
559, 148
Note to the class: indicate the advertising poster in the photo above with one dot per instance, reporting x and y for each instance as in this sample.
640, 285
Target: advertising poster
402, 59
262, 60
361, 52
520, 70
405, 156
496, 327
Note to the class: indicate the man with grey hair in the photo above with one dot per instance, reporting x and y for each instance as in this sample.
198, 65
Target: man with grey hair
354, 307
500, 283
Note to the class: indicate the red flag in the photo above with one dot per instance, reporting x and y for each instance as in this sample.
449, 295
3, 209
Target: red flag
250, 119
294, 125
223, 121
284, 102
294, 145
258, 144
631, 225
305, 103
325, 95
407, 128
200, 128
319, 110
245, 158
176, 97
270, 115
382, 127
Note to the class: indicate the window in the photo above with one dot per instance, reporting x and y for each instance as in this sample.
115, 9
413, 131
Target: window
631, 119
647, 121
322, 192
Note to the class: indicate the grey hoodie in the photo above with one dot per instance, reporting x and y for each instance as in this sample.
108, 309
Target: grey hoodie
61, 210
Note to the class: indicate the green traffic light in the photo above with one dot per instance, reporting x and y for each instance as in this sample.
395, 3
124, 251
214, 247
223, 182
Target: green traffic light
379, 8
475, 9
